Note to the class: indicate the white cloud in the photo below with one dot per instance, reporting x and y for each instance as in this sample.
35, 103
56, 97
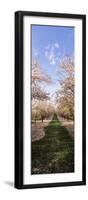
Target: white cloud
51, 53
52, 57
52, 62
56, 45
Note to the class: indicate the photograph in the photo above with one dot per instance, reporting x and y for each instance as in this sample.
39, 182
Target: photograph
52, 99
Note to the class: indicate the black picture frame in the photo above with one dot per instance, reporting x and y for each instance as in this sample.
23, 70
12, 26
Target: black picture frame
19, 115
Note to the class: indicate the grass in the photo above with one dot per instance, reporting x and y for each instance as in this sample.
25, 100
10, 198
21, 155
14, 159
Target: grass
55, 152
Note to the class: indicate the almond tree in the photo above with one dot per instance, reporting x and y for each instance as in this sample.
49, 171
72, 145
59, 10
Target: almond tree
42, 110
38, 94
38, 78
65, 96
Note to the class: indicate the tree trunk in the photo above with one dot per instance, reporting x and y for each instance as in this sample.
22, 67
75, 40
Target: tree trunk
35, 120
42, 119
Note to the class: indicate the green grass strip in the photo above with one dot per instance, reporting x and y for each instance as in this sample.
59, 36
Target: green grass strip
55, 152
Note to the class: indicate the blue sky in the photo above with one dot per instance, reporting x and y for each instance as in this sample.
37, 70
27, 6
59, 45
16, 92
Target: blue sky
49, 45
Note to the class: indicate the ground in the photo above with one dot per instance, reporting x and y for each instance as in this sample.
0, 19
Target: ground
38, 128
69, 124
54, 153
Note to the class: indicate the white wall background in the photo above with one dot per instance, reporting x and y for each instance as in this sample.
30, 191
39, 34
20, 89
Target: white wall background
7, 9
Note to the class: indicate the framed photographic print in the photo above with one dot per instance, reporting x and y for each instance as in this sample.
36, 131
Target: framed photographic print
50, 99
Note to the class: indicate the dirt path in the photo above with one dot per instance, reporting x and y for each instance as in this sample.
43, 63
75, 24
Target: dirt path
38, 129
68, 124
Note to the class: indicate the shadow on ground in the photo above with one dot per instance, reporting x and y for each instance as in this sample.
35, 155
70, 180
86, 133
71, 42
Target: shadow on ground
10, 183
